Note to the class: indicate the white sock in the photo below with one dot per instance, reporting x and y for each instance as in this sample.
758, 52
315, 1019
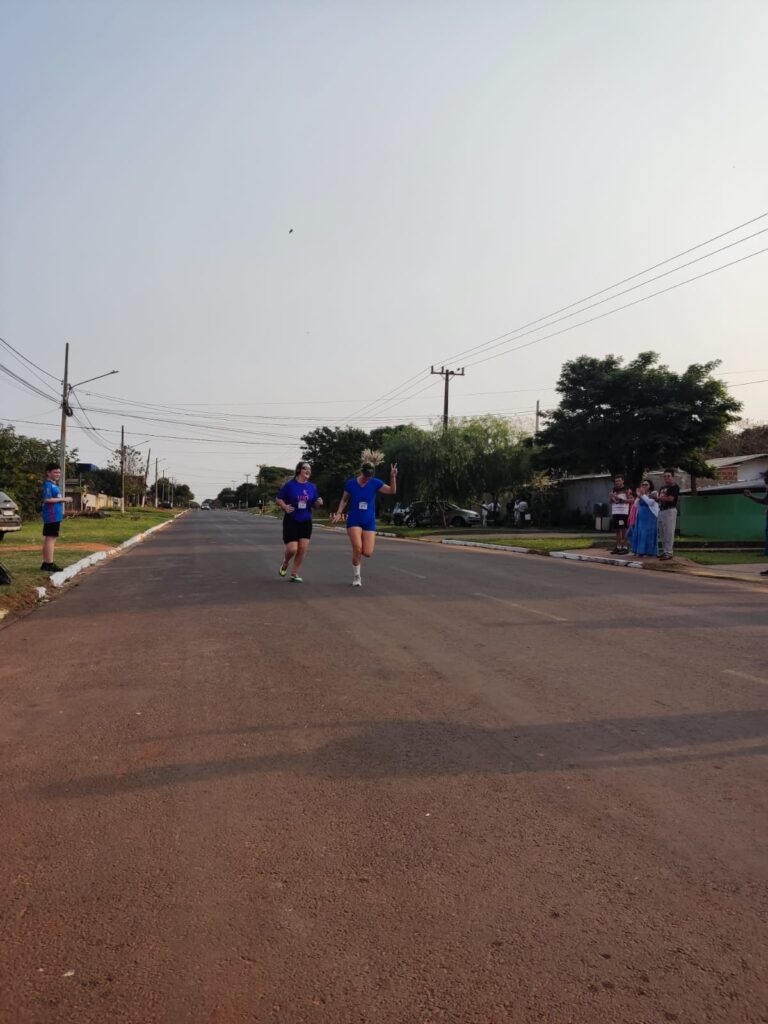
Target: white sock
356, 570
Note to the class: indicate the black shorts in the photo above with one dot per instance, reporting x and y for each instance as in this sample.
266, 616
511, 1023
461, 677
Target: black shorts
293, 531
619, 522
51, 529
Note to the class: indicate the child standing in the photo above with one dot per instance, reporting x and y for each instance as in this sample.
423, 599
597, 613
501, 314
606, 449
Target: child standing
52, 508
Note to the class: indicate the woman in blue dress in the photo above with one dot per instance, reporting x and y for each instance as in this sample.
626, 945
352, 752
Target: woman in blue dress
360, 494
645, 531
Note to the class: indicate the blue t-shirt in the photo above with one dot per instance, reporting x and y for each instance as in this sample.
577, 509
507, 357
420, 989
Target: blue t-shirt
52, 513
362, 502
301, 496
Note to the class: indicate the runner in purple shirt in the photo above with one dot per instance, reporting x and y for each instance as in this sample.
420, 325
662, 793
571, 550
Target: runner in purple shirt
296, 498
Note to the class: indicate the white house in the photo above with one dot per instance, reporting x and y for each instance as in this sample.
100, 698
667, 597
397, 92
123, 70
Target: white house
734, 469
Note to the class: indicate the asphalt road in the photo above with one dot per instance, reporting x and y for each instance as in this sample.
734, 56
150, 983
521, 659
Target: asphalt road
482, 789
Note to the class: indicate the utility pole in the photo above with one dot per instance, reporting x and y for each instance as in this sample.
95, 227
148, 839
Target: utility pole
146, 479
247, 490
66, 410
155, 483
447, 374
122, 469
173, 485
538, 414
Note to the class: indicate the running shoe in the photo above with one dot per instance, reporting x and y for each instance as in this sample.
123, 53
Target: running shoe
357, 581
296, 579
282, 570
52, 567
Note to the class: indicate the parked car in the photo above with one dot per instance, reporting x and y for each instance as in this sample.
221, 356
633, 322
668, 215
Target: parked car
10, 520
438, 513
400, 513
205, 508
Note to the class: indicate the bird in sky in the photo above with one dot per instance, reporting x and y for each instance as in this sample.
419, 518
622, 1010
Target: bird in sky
291, 231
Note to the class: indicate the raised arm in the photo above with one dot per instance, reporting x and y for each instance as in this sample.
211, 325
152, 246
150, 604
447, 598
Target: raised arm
391, 487
759, 501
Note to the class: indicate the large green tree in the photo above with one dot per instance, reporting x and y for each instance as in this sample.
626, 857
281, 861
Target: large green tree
334, 453
635, 417
22, 467
268, 482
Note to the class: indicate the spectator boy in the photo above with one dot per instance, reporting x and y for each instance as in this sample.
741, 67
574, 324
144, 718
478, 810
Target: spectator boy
668, 495
762, 501
52, 508
620, 498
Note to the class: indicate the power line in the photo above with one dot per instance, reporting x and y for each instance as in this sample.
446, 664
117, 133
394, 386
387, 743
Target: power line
618, 309
626, 280
522, 334
508, 335
27, 384
28, 361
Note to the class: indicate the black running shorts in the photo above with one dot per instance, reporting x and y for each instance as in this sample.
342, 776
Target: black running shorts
619, 522
51, 529
293, 531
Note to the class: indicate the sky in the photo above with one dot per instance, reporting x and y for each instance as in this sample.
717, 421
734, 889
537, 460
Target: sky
273, 216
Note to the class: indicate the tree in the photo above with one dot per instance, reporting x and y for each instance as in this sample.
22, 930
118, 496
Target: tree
22, 467
135, 469
499, 461
334, 453
227, 497
269, 481
634, 418
752, 439
182, 493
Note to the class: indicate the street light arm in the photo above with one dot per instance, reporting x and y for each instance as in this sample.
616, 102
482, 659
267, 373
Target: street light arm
91, 379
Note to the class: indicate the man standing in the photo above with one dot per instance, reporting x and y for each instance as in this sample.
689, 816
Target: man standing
620, 497
668, 496
762, 501
52, 507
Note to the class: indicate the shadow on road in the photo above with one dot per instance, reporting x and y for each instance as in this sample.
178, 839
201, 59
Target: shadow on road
402, 749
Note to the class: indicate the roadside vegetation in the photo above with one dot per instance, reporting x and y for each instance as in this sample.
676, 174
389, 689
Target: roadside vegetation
714, 557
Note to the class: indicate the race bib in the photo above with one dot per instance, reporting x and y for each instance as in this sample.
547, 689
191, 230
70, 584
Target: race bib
302, 504
363, 506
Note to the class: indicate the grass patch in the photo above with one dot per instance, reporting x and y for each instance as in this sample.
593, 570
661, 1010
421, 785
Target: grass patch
725, 557
92, 534
541, 543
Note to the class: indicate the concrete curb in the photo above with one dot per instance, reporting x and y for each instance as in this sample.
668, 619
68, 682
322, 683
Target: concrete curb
601, 559
58, 579
570, 555
491, 547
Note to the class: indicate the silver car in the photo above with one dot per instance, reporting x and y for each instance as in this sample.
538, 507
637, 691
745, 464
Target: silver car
10, 520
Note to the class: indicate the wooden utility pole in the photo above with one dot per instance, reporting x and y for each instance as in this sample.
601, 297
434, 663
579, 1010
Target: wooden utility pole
155, 483
65, 412
122, 469
538, 414
447, 374
146, 479
247, 490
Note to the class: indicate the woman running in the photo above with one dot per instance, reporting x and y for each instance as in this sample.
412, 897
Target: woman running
296, 498
360, 493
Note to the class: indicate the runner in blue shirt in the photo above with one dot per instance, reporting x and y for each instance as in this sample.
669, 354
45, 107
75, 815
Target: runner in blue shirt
52, 509
296, 498
360, 493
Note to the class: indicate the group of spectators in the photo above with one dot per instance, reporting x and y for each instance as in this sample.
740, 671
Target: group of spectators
644, 517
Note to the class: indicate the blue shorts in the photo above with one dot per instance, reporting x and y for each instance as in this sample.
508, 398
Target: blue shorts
362, 524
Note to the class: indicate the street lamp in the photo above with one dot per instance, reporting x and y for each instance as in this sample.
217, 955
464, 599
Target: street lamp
66, 410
